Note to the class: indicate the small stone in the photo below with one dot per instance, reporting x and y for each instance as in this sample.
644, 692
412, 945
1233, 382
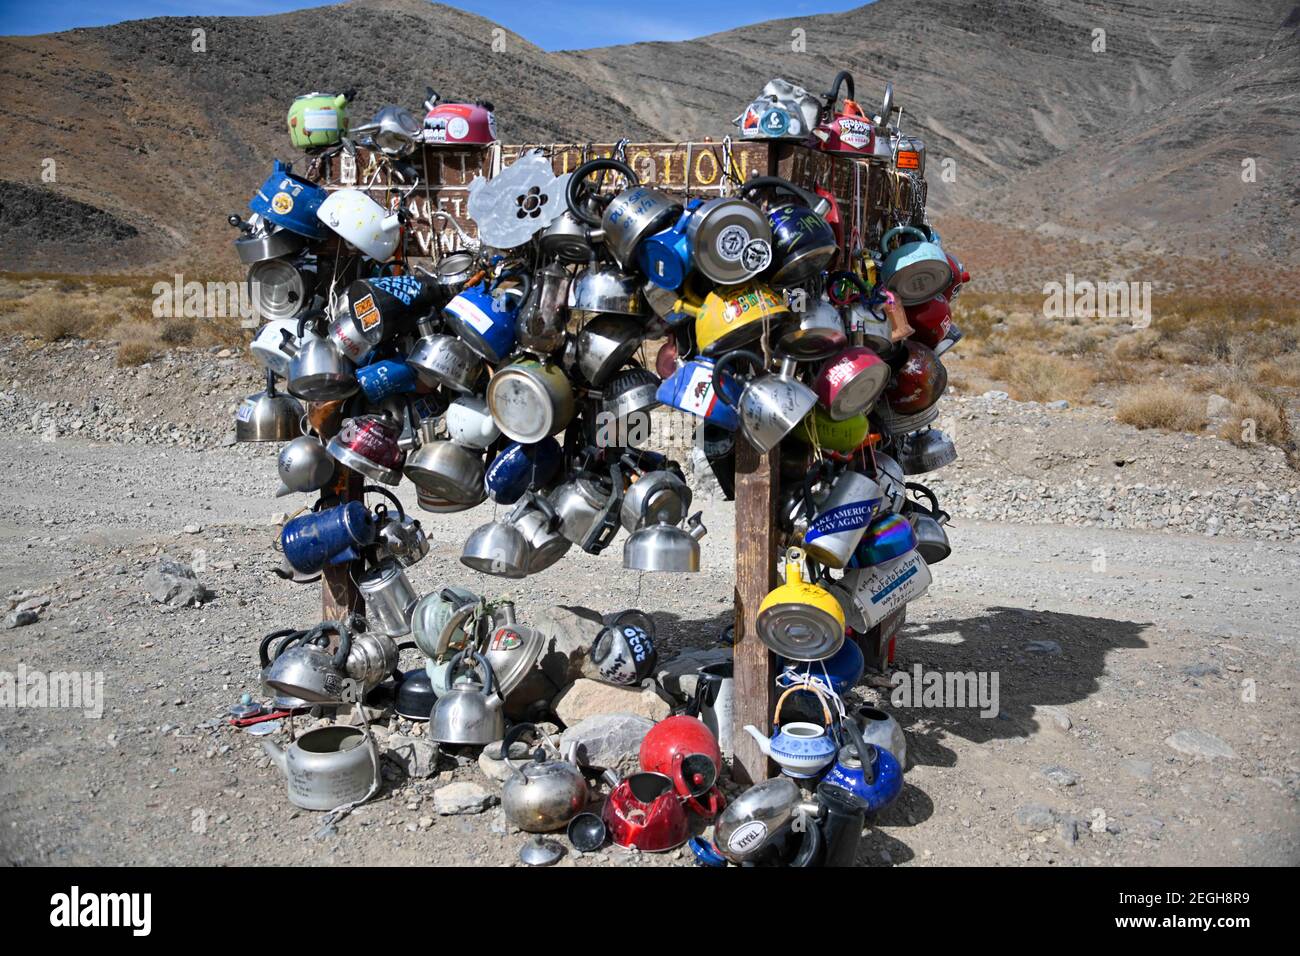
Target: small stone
1043, 647
192, 528
1035, 817
416, 756
462, 798
20, 619
1059, 405
1053, 718
425, 822
1060, 776
1199, 743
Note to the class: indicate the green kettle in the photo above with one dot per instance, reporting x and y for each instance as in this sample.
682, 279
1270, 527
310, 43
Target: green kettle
319, 119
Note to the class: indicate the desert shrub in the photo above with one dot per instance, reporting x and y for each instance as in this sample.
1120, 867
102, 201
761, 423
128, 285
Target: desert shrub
1033, 376
177, 331
1162, 405
49, 320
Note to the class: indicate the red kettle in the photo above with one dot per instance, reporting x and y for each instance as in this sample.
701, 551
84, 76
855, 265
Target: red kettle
683, 749
919, 382
644, 811
930, 320
849, 131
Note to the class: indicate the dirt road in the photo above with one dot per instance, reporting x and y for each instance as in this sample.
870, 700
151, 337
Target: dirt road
1105, 644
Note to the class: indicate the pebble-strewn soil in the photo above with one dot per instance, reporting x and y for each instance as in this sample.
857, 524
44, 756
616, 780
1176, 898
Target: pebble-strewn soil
1147, 671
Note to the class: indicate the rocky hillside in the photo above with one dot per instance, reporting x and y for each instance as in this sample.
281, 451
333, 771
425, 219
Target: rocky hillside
1122, 161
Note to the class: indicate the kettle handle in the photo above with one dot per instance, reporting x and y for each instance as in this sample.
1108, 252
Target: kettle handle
345, 640
818, 471
580, 175
725, 361
524, 278
263, 656
901, 231
826, 711
780, 185
513, 734
314, 317
367, 489
934, 501
842, 78
479, 661
860, 745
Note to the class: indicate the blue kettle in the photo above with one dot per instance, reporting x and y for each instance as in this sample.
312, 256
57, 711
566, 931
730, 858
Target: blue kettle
841, 671
690, 389
875, 778
331, 536
665, 257
485, 318
918, 269
386, 378
290, 202
888, 537
520, 467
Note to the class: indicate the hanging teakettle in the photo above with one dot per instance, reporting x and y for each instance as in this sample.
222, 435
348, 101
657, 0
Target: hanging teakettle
800, 619
849, 131
458, 124
290, 202
318, 119
803, 243
632, 215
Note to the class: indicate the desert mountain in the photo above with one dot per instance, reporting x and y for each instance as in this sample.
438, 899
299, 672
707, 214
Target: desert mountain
1056, 148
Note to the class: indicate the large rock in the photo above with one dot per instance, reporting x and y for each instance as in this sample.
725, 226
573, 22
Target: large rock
417, 757
570, 632
612, 740
175, 584
588, 698
680, 675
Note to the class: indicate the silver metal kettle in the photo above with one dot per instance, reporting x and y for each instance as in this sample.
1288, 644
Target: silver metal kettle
544, 794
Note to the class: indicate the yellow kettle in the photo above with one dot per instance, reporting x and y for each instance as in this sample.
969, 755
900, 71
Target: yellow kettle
800, 619
731, 317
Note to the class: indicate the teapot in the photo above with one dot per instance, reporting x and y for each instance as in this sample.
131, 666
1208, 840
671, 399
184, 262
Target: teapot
308, 671
268, 415
866, 771
469, 712
770, 405
304, 466
800, 619
328, 767
801, 749
544, 794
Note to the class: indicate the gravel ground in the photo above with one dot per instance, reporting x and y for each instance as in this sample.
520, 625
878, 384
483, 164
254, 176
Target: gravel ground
1147, 679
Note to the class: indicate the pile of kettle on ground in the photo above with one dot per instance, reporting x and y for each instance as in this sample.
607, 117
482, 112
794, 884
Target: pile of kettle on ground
463, 376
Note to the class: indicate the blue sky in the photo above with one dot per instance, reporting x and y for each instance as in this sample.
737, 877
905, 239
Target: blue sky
551, 24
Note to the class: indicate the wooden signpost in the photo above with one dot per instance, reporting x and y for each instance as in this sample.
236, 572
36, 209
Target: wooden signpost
863, 194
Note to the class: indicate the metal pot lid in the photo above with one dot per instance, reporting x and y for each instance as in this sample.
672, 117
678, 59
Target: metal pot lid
731, 240
280, 289
540, 851
521, 406
800, 632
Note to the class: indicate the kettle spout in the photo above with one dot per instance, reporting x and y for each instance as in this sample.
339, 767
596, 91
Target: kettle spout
275, 752
695, 526
764, 744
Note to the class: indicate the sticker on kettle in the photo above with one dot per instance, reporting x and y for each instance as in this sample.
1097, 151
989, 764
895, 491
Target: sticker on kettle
756, 256
282, 204
366, 312
320, 121
731, 242
747, 837
698, 397
505, 640
457, 127
245, 412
